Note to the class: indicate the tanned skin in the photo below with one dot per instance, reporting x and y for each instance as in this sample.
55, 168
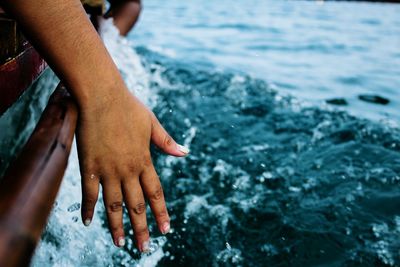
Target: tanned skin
125, 14
114, 128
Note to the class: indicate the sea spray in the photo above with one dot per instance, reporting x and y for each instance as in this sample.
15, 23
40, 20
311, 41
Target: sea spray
289, 184
66, 241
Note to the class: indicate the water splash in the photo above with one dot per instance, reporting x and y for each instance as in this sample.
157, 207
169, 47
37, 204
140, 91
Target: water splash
66, 242
289, 184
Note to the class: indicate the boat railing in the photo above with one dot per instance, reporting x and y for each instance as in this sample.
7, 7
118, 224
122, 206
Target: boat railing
30, 184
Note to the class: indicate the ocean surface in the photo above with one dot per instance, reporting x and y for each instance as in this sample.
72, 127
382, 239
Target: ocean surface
276, 176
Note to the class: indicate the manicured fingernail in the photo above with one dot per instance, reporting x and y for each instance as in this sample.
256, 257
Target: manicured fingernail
87, 222
183, 149
145, 246
165, 228
121, 241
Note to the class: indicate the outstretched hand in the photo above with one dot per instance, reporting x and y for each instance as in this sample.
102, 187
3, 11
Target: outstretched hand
114, 128
114, 151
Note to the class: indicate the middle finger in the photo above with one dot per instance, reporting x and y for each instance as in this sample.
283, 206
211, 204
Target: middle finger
113, 203
136, 206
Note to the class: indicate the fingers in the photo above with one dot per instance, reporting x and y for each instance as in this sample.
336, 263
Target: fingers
164, 141
90, 192
136, 206
112, 195
152, 189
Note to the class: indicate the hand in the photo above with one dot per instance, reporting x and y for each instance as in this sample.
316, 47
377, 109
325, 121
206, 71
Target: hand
113, 145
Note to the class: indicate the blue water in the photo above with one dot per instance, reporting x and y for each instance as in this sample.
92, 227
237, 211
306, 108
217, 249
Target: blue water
309, 49
276, 177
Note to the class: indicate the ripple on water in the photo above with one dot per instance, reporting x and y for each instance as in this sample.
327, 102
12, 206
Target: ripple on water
269, 181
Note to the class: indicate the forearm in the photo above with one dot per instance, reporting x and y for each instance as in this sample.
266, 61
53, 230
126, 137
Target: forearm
63, 34
125, 14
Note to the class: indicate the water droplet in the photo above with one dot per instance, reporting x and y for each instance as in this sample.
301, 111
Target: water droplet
294, 189
267, 175
74, 207
348, 231
318, 164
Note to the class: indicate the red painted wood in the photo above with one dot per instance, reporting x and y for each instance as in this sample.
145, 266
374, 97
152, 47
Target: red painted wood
17, 74
30, 185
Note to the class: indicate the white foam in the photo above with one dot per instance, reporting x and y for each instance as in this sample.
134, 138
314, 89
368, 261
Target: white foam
67, 241
127, 61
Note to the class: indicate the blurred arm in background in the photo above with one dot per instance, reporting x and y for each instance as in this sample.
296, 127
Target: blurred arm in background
125, 14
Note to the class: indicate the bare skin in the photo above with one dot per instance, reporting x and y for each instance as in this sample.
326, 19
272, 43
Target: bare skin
125, 14
114, 128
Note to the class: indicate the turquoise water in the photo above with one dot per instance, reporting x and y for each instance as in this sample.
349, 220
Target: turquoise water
309, 49
276, 177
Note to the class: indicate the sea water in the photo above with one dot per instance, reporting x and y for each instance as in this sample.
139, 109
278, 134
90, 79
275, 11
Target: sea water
275, 177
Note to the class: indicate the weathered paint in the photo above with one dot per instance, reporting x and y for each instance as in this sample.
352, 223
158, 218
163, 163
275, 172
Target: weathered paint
17, 74
30, 185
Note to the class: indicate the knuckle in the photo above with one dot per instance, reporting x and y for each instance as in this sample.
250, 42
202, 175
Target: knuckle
157, 194
97, 161
88, 203
115, 206
141, 230
139, 208
131, 167
167, 140
162, 214
147, 161
113, 168
115, 228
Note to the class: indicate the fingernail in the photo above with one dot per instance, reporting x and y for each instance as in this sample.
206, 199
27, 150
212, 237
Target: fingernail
87, 222
121, 241
165, 228
145, 247
183, 149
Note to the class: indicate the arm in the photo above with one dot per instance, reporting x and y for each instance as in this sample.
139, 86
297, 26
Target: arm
114, 128
125, 14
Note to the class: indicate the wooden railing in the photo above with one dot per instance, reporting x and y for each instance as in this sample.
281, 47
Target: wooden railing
31, 183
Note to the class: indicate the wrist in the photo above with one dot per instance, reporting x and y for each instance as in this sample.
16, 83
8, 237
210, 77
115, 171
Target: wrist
95, 96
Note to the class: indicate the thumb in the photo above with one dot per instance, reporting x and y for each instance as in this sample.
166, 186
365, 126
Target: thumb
161, 138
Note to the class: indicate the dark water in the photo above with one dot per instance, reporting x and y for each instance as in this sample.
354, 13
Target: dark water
270, 183
271, 180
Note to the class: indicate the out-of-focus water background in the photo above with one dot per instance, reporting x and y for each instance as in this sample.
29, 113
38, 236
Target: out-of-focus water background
276, 177
312, 50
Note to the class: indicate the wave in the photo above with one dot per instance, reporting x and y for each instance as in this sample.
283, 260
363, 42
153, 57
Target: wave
269, 181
